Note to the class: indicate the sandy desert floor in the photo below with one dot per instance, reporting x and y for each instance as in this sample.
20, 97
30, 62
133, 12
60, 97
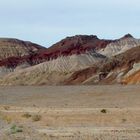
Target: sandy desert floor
70, 113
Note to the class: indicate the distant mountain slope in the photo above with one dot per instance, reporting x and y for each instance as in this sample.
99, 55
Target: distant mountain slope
18, 53
16, 48
108, 72
14, 53
79, 59
119, 46
46, 73
79, 44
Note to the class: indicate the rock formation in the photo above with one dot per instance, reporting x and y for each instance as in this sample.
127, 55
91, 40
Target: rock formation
80, 59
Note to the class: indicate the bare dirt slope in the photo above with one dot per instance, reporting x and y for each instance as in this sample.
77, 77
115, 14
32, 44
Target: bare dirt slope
16, 48
70, 113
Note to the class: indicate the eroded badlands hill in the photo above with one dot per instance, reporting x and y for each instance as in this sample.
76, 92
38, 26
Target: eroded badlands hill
123, 68
16, 53
79, 59
16, 48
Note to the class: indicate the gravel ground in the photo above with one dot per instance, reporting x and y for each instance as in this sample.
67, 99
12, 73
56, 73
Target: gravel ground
70, 113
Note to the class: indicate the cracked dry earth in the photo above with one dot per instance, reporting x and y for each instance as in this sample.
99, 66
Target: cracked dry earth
70, 113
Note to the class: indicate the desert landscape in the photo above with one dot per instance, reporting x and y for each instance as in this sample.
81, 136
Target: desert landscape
69, 70
81, 88
107, 112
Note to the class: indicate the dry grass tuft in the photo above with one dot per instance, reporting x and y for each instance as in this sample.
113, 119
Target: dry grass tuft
36, 118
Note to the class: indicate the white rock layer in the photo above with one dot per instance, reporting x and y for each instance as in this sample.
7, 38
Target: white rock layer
119, 46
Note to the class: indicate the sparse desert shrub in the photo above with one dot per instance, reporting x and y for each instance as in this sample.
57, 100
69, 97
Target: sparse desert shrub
65, 73
6, 107
124, 120
27, 115
103, 111
36, 118
15, 129
34, 105
6, 118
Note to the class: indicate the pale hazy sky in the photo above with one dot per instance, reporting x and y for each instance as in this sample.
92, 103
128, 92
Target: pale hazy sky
48, 21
